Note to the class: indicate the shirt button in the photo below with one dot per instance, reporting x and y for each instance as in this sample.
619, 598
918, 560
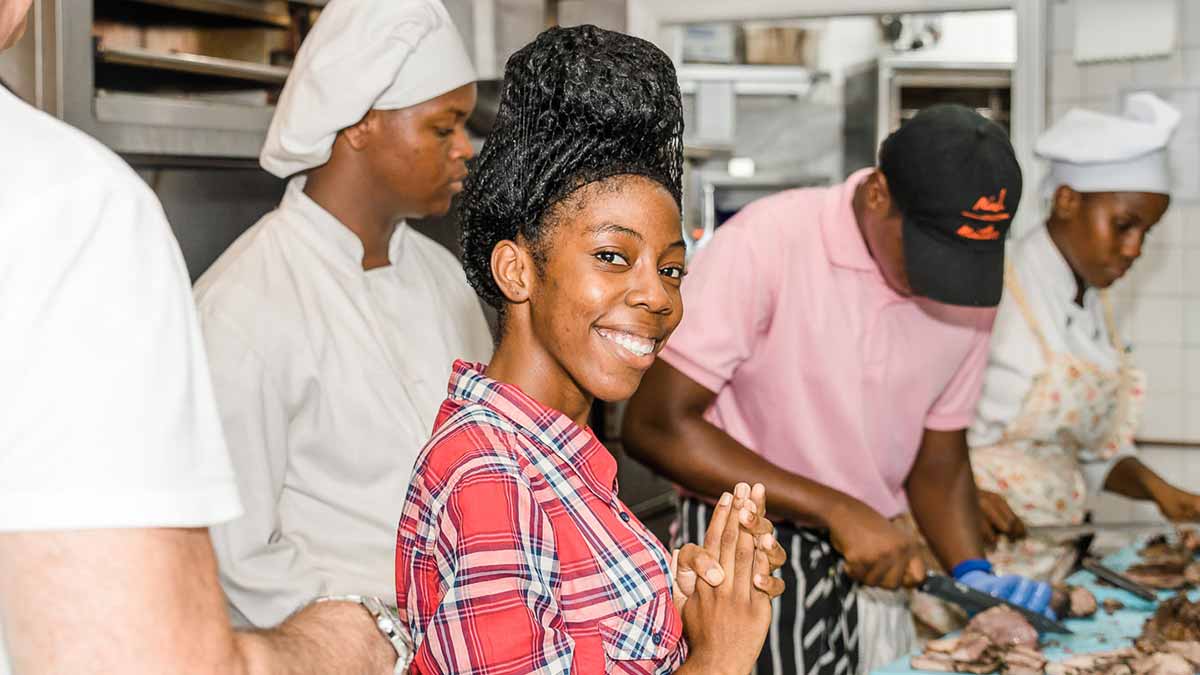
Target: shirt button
625, 516
656, 638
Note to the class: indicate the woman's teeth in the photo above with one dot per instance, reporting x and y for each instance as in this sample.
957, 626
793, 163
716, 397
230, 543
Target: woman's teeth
635, 344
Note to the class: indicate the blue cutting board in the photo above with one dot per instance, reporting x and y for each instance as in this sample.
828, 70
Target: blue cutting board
1099, 633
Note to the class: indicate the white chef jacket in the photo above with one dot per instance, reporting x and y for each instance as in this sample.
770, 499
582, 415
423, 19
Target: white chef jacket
328, 378
1015, 355
107, 416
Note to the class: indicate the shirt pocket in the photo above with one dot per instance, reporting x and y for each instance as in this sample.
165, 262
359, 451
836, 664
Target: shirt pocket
649, 632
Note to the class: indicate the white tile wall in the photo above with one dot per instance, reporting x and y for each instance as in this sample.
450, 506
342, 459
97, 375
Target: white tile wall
1159, 305
1065, 79
1191, 426
1162, 72
1163, 416
1164, 369
1191, 381
1159, 272
1154, 320
1189, 28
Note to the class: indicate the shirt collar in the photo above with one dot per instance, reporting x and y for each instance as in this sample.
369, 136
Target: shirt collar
551, 429
839, 227
1053, 270
335, 238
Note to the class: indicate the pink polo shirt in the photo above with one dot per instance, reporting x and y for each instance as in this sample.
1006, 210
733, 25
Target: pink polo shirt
817, 364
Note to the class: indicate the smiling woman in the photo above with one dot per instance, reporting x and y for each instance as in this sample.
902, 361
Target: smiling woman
514, 552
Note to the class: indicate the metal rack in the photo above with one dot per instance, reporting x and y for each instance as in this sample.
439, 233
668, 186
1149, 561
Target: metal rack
177, 105
906, 85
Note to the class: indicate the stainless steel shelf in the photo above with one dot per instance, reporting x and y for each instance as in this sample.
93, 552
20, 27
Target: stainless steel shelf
270, 12
193, 63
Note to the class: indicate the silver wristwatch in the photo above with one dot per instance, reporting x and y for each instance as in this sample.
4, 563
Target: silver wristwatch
388, 623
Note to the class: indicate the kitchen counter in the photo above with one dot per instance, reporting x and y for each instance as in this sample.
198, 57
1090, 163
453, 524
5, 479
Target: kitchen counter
1102, 632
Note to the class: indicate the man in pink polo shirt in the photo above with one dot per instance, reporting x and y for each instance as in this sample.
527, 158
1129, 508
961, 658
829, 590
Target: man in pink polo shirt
833, 348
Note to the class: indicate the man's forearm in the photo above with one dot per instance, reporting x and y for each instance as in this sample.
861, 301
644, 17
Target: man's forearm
942, 497
323, 638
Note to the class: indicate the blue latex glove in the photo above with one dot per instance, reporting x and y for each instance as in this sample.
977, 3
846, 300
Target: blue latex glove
1030, 594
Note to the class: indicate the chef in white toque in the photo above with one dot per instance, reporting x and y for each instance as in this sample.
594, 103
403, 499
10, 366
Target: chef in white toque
1061, 396
331, 324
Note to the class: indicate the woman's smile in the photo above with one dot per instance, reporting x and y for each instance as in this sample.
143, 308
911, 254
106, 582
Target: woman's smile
632, 346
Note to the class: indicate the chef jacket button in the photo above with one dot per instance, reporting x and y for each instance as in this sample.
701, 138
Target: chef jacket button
625, 516
656, 638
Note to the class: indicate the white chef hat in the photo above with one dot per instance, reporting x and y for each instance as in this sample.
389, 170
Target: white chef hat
1095, 152
361, 54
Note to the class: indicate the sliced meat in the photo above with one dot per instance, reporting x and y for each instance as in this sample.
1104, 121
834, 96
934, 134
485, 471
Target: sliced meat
1189, 538
1023, 671
1029, 659
1072, 601
933, 662
1191, 574
979, 667
1060, 600
1162, 664
1112, 605
1118, 668
1083, 603
1188, 649
944, 645
970, 648
1177, 619
1159, 550
1165, 576
1061, 669
1004, 627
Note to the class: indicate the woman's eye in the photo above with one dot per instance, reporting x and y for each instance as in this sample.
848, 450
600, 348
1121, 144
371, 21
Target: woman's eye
673, 272
612, 258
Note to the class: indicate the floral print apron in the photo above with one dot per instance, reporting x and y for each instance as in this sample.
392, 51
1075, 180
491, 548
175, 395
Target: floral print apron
1074, 411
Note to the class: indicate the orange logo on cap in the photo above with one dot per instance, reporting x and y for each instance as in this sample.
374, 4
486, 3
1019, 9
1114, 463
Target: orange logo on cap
986, 234
989, 210
992, 208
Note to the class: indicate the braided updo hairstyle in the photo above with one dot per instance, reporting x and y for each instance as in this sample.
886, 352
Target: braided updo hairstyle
578, 105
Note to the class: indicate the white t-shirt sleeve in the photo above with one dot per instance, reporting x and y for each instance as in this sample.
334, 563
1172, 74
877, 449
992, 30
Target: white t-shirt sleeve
107, 417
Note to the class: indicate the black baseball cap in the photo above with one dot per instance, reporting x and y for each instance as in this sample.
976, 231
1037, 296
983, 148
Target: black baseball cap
955, 178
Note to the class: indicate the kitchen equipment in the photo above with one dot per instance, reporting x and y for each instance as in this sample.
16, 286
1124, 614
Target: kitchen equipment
973, 601
1084, 560
1117, 579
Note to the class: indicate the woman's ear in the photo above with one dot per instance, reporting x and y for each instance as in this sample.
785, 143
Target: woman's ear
1066, 203
512, 268
356, 135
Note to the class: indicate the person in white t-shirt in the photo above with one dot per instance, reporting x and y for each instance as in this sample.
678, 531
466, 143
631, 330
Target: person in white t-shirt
112, 460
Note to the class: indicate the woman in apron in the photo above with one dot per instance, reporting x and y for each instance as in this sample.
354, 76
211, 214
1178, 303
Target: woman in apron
1062, 396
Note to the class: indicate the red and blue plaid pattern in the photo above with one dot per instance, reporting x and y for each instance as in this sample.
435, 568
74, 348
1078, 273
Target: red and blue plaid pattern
514, 554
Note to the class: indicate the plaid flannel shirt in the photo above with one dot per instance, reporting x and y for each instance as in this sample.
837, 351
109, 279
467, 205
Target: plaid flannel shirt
514, 554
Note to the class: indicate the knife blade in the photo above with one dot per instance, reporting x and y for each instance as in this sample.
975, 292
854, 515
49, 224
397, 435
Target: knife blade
973, 602
1119, 580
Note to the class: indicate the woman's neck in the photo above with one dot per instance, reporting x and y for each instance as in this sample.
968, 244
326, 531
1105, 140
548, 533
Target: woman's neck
342, 194
520, 360
1058, 237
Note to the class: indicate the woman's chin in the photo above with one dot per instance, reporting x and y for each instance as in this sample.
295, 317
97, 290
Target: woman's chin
611, 388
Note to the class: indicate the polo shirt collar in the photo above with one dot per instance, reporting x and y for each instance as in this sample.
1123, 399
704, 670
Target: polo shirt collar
550, 429
839, 228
